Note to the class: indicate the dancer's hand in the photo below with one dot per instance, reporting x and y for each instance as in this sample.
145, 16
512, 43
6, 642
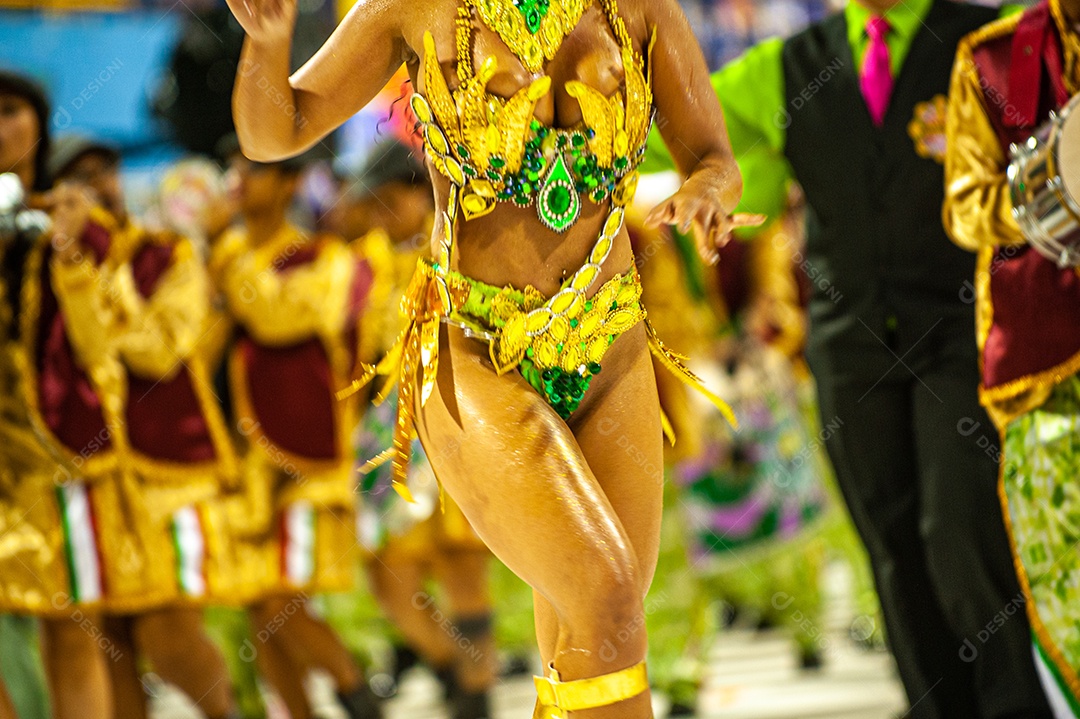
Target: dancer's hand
70, 205
697, 205
265, 21
219, 212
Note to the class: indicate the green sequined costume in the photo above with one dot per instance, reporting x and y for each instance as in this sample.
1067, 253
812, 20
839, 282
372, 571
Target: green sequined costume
1041, 491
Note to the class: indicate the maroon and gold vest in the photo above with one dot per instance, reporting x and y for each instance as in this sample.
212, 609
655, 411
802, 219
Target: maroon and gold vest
165, 422
1035, 329
289, 390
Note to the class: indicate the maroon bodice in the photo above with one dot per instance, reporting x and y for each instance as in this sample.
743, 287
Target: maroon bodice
1036, 306
292, 388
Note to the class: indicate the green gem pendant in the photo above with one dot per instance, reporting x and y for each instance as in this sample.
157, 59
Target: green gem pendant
559, 205
533, 12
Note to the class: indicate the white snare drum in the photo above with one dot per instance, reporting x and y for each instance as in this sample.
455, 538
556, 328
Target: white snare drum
1044, 178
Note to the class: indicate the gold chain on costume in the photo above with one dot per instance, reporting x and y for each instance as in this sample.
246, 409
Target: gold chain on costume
463, 40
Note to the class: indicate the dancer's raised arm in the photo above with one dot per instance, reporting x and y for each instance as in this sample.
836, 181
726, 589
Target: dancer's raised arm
278, 115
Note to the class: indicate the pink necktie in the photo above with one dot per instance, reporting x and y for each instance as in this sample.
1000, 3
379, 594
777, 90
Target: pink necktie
876, 79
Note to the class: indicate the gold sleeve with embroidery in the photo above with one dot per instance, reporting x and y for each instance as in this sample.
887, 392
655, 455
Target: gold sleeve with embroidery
162, 331
280, 308
978, 208
90, 318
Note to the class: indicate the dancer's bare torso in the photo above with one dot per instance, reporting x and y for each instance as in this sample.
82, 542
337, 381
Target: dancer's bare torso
510, 246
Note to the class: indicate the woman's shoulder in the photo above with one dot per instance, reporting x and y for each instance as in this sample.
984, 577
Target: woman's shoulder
642, 17
414, 17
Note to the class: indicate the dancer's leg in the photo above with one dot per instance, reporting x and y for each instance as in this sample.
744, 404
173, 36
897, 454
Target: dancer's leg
463, 574
129, 696
285, 677
307, 640
523, 481
175, 642
398, 586
75, 668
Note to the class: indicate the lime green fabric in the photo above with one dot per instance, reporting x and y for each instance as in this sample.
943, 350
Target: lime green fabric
751, 90
1042, 461
477, 307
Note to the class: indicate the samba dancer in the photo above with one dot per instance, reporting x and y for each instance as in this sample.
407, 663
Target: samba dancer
105, 368
178, 442
296, 302
24, 150
1007, 79
38, 518
852, 108
550, 110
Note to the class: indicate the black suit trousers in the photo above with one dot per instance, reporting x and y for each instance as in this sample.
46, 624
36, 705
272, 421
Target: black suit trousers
916, 459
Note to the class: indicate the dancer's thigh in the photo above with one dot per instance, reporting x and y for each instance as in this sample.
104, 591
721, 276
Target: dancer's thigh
520, 477
618, 430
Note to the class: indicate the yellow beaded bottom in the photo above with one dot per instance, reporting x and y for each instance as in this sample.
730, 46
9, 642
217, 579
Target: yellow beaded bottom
556, 343
557, 346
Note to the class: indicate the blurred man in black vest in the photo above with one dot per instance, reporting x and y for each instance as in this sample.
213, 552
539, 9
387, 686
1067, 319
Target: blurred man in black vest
853, 109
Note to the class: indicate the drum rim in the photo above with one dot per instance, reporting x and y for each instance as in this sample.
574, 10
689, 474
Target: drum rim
1026, 156
1055, 182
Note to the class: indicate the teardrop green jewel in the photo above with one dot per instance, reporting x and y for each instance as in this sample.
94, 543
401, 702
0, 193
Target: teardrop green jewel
533, 12
559, 204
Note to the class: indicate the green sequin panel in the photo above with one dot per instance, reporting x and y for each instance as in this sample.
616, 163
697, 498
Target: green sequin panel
534, 12
562, 390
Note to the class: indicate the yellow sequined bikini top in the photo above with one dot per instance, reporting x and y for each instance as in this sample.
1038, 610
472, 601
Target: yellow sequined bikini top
494, 149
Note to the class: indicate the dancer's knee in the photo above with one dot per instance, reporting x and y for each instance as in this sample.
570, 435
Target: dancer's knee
605, 599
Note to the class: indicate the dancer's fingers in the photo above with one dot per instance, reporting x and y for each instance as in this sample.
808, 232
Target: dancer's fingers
743, 219
661, 214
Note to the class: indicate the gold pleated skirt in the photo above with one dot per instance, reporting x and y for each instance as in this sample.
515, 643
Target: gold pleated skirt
290, 529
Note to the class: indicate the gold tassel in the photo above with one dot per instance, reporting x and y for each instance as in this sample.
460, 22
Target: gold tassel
406, 411
377, 461
669, 431
675, 363
367, 373
416, 351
